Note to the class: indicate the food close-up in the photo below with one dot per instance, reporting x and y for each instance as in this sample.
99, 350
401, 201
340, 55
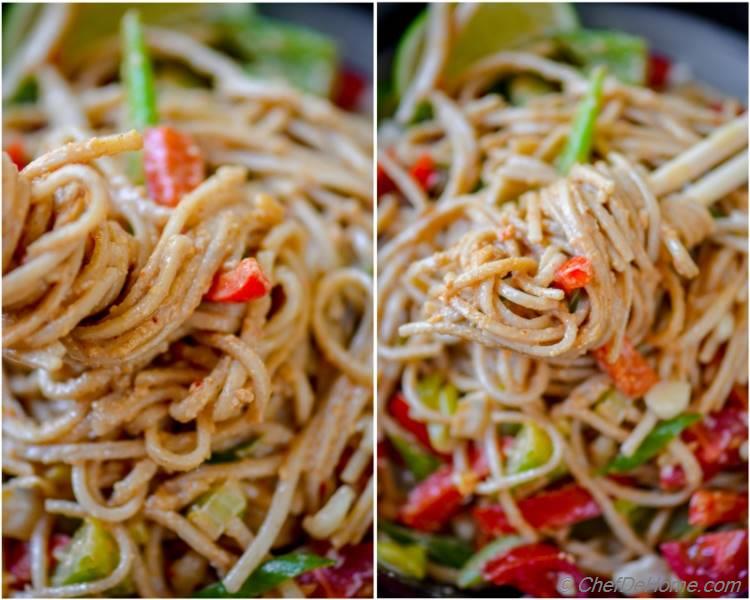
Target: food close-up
187, 302
561, 305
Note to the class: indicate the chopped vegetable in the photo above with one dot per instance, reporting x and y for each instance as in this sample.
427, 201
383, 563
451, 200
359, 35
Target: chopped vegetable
612, 406
419, 462
660, 436
213, 512
574, 273
553, 509
385, 183
425, 172
137, 73
444, 549
242, 283
409, 560
471, 574
442, 398
348, 90
667, 399
711, 558
713, 507
269, 575
399, 409
173, 164
22, 508
658, 71
240, 451
17, 153
350, 577
531, 448
92, 554
581, 136
534, 569
630, 372
523, 88
623, 55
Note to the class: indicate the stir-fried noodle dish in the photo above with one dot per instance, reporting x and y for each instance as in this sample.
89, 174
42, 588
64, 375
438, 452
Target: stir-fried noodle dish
562, 317
187, 320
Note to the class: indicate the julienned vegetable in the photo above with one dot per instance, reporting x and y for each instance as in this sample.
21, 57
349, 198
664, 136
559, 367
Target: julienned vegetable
659, 437
444, 549
243, 283
419, 462
215, 510
581, 136
630, 372
625, 56
531, 448
172, 163
137, 73
92, 554
409, 560
471, 573
269, 575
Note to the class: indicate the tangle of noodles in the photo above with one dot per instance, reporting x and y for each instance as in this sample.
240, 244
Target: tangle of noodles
467, 294
123, 388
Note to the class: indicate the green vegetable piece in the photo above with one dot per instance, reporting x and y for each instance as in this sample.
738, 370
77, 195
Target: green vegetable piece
613, 406
17, 20
444, 549
447, 400
419, 461
238, 452
409, 560
471, 574
524, 88
269, 575
581, 137
531, 448
624, 55
213, 512
137, 73
92, 554
408, 53
659, 437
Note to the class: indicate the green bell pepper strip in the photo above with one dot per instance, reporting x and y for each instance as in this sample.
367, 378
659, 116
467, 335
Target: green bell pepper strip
624, 55
137, 73
444, 549
471, 574
269, 575
419, 462
531, 448
409, 560
92, 554
659, 437
581, 138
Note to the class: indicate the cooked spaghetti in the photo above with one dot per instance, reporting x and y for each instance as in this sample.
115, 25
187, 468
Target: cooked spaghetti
187, 364
549, 326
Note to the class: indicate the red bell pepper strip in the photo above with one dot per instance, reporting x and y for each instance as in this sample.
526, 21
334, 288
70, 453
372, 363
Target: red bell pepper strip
425, 172
398, 408
385, 183
172, 163
436, 499
534, 569
17, 560
349, 87
658, 71
713, 557
574, 273
712, 507
350, 577
243, 283
17, 153
630, 372
558, 508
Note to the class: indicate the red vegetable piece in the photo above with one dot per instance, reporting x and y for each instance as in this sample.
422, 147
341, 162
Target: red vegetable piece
658, 71
349, 88
574, 273
713, 557
350, 577
17, 153
534, 569
630, 372
398, 408
425, 172
712, 507
243, 283
558, 508
172, 163
385, 183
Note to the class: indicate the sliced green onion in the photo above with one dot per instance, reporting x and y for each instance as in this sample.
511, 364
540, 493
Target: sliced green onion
531, 448
92, 554
440, 437
471, 574
137, 73
420, 462
269, 575
581, 137
213, 512
409, 560
444, 549
659, 437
